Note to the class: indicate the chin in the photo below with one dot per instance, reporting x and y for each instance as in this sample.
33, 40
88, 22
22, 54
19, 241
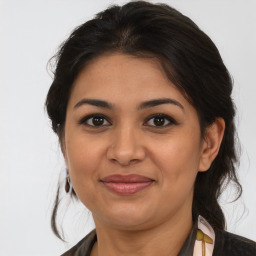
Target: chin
126, 218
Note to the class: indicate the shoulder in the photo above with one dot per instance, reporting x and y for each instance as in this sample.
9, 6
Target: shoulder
228, 244
74, 249
83, 247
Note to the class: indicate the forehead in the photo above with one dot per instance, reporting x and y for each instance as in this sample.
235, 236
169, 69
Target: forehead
120, 78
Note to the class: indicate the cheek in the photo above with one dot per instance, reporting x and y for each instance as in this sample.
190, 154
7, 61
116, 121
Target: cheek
83, 159
178, 160
83, 163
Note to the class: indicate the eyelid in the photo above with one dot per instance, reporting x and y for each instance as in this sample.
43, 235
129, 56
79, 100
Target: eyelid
171, 120
86, 118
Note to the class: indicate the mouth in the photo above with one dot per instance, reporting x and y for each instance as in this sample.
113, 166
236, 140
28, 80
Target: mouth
126, 184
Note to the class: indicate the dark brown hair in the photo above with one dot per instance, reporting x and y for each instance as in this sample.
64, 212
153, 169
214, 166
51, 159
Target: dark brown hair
190, 60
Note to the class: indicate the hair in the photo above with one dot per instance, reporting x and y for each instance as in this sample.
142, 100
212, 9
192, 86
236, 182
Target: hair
190, 60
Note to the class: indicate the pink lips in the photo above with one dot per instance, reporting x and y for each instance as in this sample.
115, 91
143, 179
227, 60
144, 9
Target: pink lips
126, 184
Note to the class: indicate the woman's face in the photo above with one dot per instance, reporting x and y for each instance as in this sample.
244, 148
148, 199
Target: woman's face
132, 143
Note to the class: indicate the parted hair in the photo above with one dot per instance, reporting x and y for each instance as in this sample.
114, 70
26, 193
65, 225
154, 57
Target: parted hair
191, 62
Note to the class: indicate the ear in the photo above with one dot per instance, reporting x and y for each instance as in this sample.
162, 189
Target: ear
211, 144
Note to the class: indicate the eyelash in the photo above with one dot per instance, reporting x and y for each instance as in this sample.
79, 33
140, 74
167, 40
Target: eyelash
170, 120
85, 119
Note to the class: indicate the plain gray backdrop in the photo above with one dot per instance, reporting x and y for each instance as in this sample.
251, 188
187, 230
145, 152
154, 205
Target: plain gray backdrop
30, 159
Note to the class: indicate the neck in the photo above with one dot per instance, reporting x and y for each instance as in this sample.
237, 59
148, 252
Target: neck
165, 239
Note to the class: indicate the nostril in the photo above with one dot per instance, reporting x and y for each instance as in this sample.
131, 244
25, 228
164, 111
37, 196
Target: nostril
124, 162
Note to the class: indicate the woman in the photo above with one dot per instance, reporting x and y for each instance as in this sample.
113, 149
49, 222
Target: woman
141, 102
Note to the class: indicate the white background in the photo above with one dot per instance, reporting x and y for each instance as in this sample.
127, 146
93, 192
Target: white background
30, 160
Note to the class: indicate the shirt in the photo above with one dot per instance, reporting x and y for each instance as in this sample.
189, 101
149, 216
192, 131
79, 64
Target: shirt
202, 241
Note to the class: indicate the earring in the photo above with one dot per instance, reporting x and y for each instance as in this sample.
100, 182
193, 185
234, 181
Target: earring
68, 185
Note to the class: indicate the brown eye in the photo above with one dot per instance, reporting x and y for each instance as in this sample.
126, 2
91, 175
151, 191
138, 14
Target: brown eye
160, 120
95, 120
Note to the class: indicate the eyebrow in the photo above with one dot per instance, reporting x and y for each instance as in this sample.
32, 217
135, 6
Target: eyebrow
94, 102
157, 102
143, 105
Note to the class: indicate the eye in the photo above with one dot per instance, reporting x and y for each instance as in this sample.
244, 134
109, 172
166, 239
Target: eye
95, 120
160, 120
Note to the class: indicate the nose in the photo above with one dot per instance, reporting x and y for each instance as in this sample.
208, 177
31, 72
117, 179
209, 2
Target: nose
126, 147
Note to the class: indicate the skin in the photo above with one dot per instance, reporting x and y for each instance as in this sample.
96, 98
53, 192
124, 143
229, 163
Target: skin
129, 142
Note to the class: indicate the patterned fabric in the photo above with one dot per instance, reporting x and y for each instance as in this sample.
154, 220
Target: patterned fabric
202, 241
205, 238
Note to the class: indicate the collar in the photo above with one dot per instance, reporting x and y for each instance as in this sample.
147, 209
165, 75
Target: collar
200, 241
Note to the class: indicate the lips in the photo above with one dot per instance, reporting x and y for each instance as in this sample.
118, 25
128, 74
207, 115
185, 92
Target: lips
126, 184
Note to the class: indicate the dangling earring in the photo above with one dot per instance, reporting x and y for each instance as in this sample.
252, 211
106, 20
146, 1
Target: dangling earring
68, 185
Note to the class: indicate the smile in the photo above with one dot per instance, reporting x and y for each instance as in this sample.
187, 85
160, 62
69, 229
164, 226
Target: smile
126, 184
